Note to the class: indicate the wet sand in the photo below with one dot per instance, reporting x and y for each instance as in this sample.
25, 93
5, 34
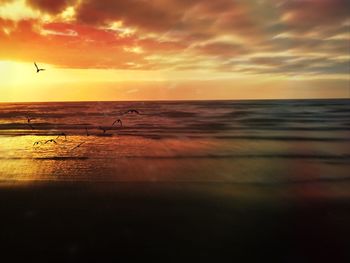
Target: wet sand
175, 222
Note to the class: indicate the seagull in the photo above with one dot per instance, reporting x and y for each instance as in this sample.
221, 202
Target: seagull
77, 146
103, 129
37, 143
51, 140
118, 121
37, 68
29, 119
132, 111
62, 134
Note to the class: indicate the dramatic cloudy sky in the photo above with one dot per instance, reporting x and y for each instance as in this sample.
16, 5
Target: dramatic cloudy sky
174, 49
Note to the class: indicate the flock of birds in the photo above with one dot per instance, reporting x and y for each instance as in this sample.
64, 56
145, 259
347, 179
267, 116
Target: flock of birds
62, 134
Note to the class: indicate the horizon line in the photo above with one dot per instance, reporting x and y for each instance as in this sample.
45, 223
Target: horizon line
170, 100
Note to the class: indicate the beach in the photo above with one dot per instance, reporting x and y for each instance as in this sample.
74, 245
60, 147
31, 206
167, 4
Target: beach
174, 222
212, 181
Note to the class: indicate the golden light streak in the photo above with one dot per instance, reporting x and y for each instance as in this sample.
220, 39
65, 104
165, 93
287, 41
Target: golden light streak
119, 27
136, 50
68, 14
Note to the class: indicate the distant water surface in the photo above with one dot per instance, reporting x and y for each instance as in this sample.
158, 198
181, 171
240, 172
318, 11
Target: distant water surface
258, 142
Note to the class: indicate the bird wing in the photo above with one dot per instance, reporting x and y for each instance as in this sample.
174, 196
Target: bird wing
52, 140
36, 65
77, 145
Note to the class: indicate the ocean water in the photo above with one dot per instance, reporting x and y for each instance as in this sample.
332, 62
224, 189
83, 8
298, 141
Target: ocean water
243, 142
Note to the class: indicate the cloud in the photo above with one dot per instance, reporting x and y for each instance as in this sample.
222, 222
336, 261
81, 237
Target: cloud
50, 6
65, 45
151, 15
221, 49
16, 10
307, 14
248, 36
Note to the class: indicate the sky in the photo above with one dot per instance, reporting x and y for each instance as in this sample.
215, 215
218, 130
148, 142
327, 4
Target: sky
174, 49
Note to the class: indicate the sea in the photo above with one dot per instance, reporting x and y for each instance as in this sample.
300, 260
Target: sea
263, 142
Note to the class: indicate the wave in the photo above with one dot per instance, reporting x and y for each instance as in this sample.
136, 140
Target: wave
147, 132
319, 156
62, 158
250, 156
53, 158
168, 119
177, 114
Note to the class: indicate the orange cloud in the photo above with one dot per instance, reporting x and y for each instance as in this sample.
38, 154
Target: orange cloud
239, 36
50, 6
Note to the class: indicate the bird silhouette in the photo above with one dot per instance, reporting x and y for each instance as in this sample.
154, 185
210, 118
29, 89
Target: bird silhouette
118, 121
77, 146
103, 129
37, 143
29, 119
37, 68
62, 134
51, 140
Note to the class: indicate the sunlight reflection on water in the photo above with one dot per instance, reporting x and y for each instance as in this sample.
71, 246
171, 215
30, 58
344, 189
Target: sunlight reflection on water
235, 142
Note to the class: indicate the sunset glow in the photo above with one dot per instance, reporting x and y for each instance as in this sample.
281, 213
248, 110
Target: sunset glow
173, 49
180, 130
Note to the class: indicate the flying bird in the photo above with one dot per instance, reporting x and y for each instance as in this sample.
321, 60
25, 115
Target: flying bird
29, 119
62, 134
118, 121
51, 140
103, 129
37, 68
132, 111
37, 143
77, 146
